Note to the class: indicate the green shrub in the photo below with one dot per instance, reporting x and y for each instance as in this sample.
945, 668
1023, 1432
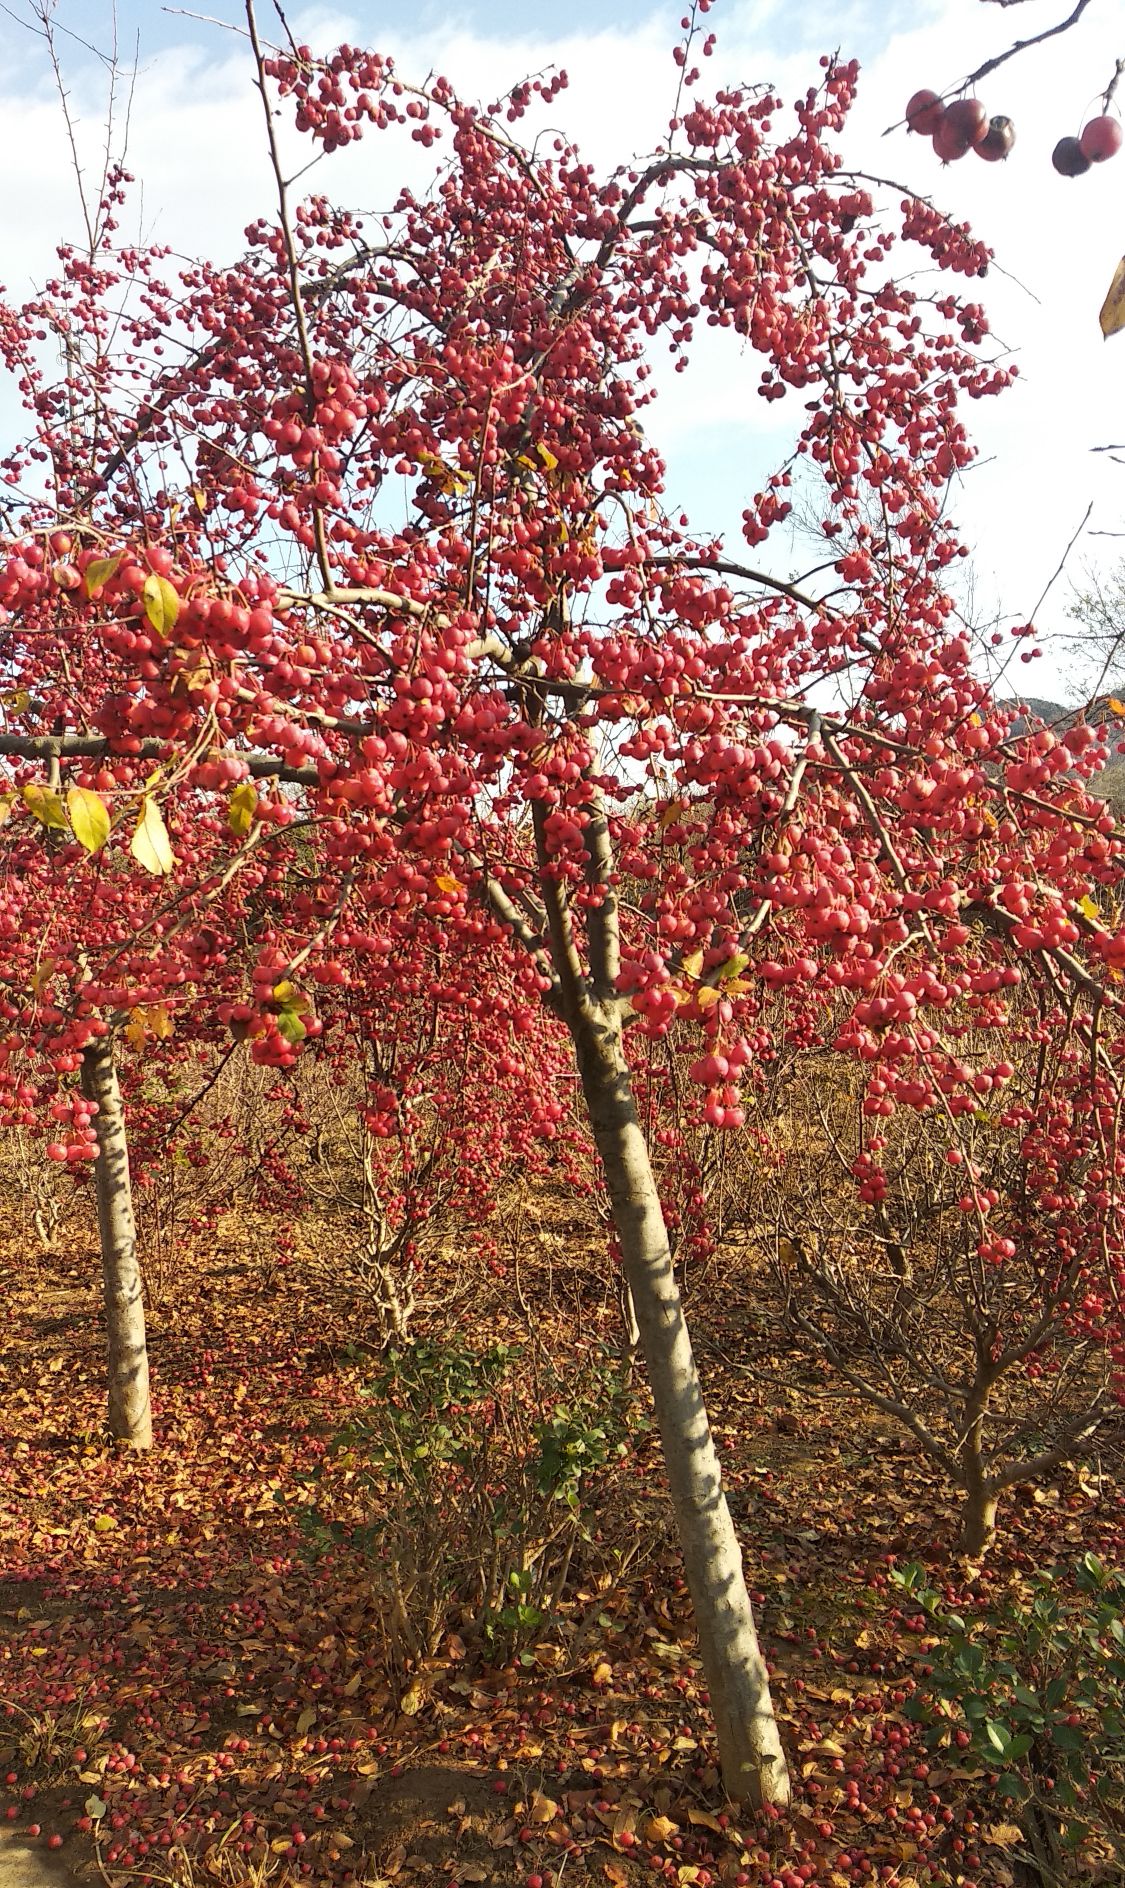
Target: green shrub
1034, 1692
466, 1480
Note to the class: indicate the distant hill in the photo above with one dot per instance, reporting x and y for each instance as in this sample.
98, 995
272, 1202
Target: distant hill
1109, 784
1038, 710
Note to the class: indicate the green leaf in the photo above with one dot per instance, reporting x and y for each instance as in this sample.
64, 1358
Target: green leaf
89, 818
45, 804
998, 1736
1012, 1786
243, 806
100, 571
291, 1027
150, 845
162, 605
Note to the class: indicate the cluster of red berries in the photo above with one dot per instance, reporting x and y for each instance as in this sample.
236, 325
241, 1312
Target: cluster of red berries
960, 127
1100, 138
964, 125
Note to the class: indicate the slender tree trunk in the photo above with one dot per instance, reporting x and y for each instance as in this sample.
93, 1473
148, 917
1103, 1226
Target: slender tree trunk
130, 1413
978, 1512
753, 1764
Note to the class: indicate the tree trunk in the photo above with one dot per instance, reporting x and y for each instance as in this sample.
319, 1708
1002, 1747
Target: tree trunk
130, 1413
978, 1520
753, 1764
978, 1513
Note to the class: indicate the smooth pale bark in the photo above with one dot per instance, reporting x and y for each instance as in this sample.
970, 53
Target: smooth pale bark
750, 1753
130, 1412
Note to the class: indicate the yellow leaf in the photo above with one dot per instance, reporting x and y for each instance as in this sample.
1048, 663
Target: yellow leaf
104, 1524
1088, 908
160, 1022
134, 1033
704, 1819
45, 804
547, 458
671, 814
693, 966
448, 478
707, 995
89, 818
17, 699
243, 806
42, 977
448, 884
543, 1809
162, 605
100, 571
1115, 707
199, 498
733, 967
1112, 317
1002, 1835
150, 845
7, 802
290, 997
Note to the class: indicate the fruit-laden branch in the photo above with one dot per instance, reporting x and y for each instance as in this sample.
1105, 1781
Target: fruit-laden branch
59, 747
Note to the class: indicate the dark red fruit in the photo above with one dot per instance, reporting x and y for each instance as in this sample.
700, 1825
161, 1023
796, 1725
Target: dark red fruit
949, 143
1069, 159
998, 140
925, 112
969, 119
1100, 139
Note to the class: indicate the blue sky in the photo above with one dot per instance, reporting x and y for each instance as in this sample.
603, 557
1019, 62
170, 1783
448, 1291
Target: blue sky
858, 27
197, 149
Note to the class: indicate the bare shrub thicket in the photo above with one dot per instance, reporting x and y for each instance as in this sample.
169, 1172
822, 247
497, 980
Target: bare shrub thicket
942, 1269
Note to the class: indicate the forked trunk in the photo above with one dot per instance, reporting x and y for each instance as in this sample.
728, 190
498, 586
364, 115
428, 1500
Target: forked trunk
753, 1764
130, 1413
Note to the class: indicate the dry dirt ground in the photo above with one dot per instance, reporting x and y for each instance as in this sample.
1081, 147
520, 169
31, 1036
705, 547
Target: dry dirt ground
213, 1703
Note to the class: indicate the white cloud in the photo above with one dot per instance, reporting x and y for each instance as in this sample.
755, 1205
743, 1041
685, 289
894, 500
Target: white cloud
197, 146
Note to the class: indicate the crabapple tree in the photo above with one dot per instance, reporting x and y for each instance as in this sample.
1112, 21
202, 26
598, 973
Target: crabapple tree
438, 1077
952, 1267
371, 600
